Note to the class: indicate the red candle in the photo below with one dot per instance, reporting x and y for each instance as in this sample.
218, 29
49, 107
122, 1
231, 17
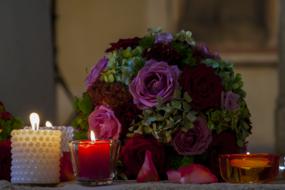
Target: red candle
94, 160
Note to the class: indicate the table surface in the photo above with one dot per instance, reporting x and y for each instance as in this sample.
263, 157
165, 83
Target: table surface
130, 185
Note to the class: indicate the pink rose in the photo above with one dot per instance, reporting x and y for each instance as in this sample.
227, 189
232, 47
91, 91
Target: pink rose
104, 123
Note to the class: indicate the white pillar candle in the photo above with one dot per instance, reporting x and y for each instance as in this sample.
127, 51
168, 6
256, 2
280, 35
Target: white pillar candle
35, 156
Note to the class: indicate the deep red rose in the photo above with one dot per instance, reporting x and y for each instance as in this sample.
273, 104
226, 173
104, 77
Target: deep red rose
5, 159
133, 155
124, 43
223, 143
6, 116
203, 85
163, 52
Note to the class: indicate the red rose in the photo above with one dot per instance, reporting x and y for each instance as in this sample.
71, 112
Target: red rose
203, 85
5, 159
133, 154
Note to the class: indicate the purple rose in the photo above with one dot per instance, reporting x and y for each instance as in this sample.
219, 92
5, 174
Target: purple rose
195, 141
104, 123
230, 101
164, 38
155, 79
95, 72
201, 51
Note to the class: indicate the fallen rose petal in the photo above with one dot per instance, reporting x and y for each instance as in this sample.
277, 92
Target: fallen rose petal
173, 176
148, 171
196, 173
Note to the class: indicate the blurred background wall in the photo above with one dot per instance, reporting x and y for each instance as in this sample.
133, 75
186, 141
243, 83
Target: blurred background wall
26, 58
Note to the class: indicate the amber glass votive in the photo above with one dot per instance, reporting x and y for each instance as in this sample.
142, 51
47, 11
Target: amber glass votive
249, 168
94, 161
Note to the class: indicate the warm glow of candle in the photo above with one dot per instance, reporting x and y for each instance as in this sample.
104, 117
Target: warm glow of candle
35, 121
48, 124
248, 153
92, 136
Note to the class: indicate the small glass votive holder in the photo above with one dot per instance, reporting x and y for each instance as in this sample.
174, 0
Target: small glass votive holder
94, 161
249, 168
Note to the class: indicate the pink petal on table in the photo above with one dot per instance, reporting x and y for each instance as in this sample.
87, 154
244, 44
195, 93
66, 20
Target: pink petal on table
196, 173
148, 171
173, 176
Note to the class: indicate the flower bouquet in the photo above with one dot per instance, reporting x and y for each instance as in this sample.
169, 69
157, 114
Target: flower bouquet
7, 124
170, 101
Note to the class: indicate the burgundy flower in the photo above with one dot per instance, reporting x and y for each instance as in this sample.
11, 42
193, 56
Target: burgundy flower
163, 52
203, 85
5, 159
201, 51
195, 141
124, 43
133, 154
104, 123
230, 101
6, 116
95, 72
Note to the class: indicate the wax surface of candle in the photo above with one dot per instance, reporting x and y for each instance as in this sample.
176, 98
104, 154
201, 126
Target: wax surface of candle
94, 160
250, 162
35, 156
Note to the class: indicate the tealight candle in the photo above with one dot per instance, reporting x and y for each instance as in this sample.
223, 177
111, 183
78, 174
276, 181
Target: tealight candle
93, 160
248, 168
35, 154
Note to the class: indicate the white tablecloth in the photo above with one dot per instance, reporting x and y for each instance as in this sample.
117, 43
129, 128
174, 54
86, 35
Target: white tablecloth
5, 185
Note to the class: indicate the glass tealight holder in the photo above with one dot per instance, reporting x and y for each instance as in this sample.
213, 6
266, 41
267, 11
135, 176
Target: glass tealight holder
94, 161
249, 168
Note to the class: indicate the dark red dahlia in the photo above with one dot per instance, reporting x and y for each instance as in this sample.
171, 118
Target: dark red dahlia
163, 52
124, 43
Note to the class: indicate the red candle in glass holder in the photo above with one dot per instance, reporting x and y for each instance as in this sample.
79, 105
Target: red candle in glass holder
94, 159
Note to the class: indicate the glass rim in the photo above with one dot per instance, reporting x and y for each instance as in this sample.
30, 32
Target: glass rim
97, 141
248, 155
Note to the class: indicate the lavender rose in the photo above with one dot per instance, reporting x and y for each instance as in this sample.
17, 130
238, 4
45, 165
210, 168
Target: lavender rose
164, 37
195, 141
230, 101
155, 79
95, 72
104, 123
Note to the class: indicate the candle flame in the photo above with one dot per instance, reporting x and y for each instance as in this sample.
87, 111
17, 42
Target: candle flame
35, 121
248, 153
48, 124
92, 136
